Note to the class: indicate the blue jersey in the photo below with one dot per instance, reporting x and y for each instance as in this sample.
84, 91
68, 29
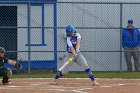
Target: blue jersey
128, 40
72, 41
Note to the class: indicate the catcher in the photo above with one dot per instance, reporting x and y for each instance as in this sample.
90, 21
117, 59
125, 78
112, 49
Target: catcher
6, 73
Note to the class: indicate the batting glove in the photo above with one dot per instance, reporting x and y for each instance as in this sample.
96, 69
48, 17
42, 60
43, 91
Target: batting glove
77, 50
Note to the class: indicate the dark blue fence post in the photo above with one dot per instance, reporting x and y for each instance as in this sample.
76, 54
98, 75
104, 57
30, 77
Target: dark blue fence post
121, 37
29, 37
55, 36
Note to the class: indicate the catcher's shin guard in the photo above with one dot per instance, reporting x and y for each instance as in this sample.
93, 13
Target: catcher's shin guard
6, 77
6, 81
9, 73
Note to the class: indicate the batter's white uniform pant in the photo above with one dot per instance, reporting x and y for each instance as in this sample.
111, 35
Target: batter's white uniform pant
79, 60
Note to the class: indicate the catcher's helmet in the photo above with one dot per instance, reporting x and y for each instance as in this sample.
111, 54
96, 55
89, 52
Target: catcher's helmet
2, 50
70, 29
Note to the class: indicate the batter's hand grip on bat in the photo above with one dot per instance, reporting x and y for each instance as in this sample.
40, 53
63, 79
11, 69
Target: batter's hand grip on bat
77, 50
75, 56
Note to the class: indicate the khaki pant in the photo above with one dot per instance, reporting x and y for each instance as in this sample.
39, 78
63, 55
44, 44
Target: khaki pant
129, 53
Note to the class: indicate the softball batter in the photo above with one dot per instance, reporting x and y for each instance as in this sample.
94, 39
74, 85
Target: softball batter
73, 51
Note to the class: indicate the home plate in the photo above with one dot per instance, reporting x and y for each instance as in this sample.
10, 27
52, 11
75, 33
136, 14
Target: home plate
13, 86
121, 84
34, 84
106, 86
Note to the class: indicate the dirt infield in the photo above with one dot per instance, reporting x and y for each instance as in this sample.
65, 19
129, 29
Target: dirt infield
71, 86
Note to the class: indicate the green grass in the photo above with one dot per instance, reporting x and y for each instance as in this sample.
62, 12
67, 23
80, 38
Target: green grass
127, 75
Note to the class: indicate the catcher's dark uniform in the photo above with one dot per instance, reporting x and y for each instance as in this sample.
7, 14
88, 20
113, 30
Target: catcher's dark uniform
4, 72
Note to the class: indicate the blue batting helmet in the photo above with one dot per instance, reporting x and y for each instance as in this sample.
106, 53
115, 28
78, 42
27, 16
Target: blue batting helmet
130, 21
70, 29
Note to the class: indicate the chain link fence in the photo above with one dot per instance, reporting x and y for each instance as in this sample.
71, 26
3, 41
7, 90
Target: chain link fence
35, 33
100, 25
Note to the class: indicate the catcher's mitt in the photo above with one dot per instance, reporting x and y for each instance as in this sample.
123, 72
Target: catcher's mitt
18, 64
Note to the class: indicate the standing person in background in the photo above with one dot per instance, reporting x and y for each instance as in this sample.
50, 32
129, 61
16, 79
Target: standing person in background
73, 51
130, 43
